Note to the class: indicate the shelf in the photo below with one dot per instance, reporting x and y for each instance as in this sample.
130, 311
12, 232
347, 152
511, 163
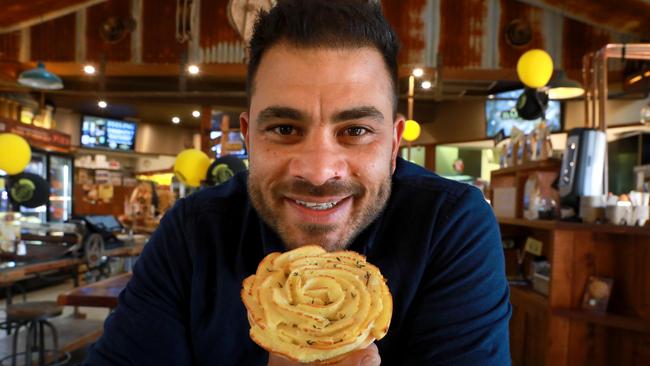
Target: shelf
109, 169
526, 294
78, 150
608, 320
563, 225
533, 165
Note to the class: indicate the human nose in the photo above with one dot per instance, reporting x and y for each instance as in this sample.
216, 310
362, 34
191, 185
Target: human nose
319, 159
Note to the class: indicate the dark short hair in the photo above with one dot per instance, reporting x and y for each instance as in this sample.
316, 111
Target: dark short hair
326, 24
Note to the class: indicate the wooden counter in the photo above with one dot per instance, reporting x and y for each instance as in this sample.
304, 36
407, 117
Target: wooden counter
555, 330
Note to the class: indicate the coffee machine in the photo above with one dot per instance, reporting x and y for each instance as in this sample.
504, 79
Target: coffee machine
583, 166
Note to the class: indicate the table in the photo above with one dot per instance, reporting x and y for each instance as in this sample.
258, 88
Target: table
98, 294
125, 251
20, 271
10, 274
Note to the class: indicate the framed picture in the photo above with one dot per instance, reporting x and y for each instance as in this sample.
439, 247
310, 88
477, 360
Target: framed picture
597, 292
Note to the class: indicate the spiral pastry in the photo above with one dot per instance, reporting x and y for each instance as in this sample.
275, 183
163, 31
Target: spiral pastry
310, 305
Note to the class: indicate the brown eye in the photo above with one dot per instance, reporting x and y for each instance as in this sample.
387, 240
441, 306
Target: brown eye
284, 130
356, 131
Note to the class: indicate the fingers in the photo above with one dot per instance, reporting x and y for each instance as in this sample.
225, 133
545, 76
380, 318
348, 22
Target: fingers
364, 357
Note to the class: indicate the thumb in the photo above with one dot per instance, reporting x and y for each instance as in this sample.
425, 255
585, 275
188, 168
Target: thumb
365, 357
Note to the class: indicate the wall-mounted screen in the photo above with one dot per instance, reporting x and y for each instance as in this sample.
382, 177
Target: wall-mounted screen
107, 133
501, 114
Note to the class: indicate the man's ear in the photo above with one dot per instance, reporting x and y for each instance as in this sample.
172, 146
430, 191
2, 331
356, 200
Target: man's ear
244, 123
398, 130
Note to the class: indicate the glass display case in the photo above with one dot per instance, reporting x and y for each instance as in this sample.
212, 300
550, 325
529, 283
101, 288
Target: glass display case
60, 178
57, 170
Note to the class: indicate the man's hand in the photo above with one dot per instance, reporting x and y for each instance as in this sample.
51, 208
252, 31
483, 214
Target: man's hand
363, 357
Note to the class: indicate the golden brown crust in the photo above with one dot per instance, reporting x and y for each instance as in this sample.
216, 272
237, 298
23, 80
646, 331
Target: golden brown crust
310, 305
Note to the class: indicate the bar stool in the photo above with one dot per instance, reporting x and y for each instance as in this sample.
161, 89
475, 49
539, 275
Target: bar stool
33, 316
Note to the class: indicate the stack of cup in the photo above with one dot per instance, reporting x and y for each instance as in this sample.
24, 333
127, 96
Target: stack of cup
630, 210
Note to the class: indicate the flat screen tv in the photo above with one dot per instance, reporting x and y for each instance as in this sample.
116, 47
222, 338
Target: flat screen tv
501, 114
107, 133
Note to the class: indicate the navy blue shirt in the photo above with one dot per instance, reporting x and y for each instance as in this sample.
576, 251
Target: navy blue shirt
437, 243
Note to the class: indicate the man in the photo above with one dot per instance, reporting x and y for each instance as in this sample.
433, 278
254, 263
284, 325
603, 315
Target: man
323, 141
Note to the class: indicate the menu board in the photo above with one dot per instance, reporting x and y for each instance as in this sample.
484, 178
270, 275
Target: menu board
100, 132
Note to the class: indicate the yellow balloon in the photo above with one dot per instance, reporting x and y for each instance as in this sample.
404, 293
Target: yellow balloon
191, 167
15, 153
535, 68
411, 130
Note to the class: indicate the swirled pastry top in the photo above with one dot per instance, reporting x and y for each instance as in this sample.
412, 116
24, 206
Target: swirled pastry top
311, 305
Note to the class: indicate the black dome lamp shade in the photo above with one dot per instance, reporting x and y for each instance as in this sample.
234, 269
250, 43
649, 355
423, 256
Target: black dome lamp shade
532, 104
561, 87
40, 78
28, 190
223, 169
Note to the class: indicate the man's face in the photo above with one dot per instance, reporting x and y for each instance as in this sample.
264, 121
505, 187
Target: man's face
322, 142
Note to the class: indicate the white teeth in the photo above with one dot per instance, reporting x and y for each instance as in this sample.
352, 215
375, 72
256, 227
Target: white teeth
317, 205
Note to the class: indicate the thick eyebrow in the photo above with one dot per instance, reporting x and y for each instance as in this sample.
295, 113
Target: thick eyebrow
359, 113
275, 112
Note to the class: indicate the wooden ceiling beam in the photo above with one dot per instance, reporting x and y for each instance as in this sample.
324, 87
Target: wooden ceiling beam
23, 14
225, 72
620, 16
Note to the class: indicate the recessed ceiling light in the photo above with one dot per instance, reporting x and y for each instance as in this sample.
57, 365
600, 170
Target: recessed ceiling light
89, 69
176, 120
196, 114
193, 69
426, 84
102, 104
418, 72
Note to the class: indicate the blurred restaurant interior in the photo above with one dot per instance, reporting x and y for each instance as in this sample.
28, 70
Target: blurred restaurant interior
112, 110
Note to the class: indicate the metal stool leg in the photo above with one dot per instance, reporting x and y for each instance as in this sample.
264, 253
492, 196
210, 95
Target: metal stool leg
55, 339
35, 342
8, 297
41, 344
28, 347
14, 346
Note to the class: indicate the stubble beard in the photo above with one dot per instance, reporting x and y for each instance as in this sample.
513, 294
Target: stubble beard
361, 218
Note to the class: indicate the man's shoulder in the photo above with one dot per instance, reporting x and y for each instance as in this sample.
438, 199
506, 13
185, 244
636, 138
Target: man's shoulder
421, 184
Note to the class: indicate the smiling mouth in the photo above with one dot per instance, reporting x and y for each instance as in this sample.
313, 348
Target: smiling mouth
317, 206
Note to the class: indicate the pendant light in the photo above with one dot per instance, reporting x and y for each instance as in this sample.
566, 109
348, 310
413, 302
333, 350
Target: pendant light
40, 78
561, 87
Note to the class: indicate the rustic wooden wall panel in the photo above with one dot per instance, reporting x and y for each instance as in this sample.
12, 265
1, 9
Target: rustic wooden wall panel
406, 17
159, 43
215, 26
462, 27
54, 40
512, 10
578, 39
9, 46
95, 44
